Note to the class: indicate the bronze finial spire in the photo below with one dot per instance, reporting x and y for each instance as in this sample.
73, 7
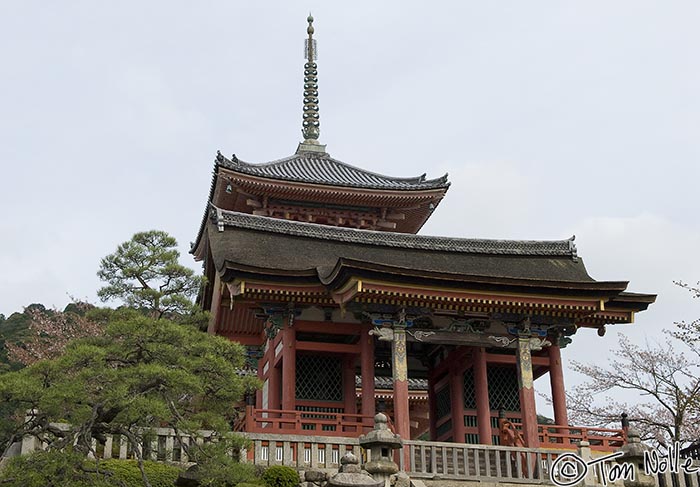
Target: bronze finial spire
311, 125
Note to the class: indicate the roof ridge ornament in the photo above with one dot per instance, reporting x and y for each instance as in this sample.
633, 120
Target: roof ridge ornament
311, 125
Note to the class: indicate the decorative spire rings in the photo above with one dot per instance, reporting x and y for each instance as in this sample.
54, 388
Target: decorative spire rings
311, 126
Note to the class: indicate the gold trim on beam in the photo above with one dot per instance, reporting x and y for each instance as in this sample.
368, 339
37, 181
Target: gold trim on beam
463, 297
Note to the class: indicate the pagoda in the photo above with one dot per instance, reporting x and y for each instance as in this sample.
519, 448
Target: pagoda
315, 265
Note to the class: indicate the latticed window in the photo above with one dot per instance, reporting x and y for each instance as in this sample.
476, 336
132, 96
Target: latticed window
442, 402
445, 427
319, 378
503, 388
469, 392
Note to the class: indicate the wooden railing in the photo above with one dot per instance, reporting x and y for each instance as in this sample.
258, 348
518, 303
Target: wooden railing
454, 461
569, 437
600, 439
323, 423
425, 460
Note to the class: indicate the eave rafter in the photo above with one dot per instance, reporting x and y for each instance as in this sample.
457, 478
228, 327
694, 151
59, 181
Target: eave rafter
252, 185
585, 311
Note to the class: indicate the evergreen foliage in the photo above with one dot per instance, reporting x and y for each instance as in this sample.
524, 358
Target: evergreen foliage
144, 273
281, 476
127, 472
141, 373
216, 467
71, 469
54, 469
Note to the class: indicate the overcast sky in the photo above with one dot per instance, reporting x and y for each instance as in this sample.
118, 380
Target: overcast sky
552, 118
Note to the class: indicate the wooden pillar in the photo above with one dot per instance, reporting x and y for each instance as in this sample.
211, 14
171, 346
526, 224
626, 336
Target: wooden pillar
556, 380
402, 421
481, 386
289, 366
215, 310
400, 373
367, 372
432, 407
457, 402
273, 388
527, 392
349, 394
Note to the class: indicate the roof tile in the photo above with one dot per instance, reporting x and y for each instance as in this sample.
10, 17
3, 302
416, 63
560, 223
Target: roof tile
320, 168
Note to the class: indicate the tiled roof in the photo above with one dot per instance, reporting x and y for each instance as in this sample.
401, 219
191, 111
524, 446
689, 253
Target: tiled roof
320, 168
558, 248
388, 383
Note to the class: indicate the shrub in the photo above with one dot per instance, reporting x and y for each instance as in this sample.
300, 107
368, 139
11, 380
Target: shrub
226, 472
218, 465
127, 471
281, 476
250, 484
55, 468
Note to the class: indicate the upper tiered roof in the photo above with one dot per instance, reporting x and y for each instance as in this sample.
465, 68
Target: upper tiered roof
321, 168
312, 186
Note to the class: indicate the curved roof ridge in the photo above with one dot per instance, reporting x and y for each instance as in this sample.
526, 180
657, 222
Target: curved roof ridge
559, 248
321, 168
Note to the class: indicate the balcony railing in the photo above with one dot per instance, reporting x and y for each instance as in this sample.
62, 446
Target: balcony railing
425, 459
321, 423
569, 437
600, 439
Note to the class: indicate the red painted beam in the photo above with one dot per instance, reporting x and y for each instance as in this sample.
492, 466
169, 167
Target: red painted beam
328, 347
329, 327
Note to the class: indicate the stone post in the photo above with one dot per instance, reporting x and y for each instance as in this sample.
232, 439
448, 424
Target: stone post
380, 442
584, 452
634, 455
351, 475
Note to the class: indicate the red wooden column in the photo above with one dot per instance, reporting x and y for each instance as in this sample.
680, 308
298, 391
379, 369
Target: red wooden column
457, 401
349, 394
432, 407
367, 372
556, 380
273, 388
527, 392
289, 366
481, 386
400, 373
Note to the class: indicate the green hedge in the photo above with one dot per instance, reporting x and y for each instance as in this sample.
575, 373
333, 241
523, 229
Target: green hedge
281, 476
225, 472
55, 468
69, 469
159, 474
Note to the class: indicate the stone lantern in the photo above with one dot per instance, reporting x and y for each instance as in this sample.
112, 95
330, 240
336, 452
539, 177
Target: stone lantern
351, 475
634, 454
381, 443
